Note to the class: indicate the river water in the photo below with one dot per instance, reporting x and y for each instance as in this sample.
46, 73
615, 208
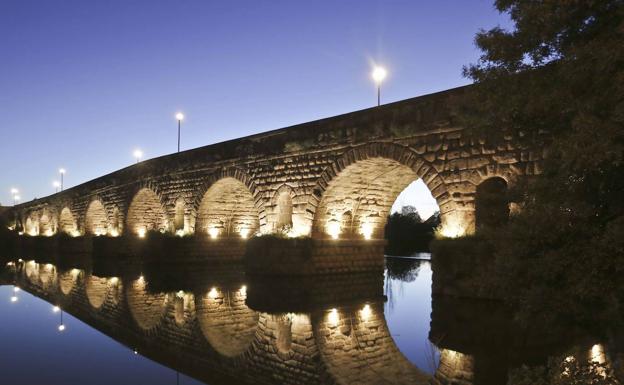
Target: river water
168, 325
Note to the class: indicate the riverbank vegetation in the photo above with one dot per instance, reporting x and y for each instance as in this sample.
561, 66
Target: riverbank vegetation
407, 233
558, 77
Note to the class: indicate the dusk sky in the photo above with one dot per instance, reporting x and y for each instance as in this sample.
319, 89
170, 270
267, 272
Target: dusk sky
84, 83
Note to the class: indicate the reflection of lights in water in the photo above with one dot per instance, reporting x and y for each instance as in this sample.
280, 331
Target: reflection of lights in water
367, 230
114, 280
333, 229
213, 232
243, 290
180, 294
56, 309
61, 327
75, 233
135, 351
213, 293
16, 289
14, 298
20, 260
598, 354
332, 318
114, 233
366, 312
10, 264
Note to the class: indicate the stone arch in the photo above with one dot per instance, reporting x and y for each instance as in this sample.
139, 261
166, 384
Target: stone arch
146, 213
67, 223
178, 214
363, 184
283, 209
96, 219
226, 321
491, 203
147, 309
47, 222
32, 224
227, 206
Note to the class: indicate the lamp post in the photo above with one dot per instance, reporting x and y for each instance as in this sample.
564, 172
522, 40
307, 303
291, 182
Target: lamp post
62, 172
56, 185
138, 154
179, 117
379, 74
14, 192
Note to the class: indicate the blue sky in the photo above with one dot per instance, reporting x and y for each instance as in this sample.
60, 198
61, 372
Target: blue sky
84, 83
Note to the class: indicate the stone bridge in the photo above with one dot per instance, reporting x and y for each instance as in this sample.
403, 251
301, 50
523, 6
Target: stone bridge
332, 178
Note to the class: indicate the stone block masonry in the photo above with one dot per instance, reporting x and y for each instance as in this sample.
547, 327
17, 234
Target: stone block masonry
330, 178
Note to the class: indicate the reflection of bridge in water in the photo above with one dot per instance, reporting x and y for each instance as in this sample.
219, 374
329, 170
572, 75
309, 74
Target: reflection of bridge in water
221, 327
211, 321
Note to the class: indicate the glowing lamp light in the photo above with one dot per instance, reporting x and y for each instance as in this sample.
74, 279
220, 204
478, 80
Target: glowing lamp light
213, 232
366, 312
244, 233
56, 309
114, 280
333, 229
180, 233
10, 264
180, 294
141, 232
213, 293
333, 318
75, 233
367, 230
48, 233
180, 116
598, 354
61, 327
379, 74
114, 233
243, 290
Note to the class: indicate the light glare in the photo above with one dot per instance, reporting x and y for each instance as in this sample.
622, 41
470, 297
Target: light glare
379, 74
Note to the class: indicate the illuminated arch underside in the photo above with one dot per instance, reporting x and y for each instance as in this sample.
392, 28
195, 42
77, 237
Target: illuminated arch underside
146, 213
96, 221
229, 207
67, 224
360, 197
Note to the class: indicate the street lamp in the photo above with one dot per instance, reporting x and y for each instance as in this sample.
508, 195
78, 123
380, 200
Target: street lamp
379, 74
179, 117
138, 154
62, 172
56, 185
14, 192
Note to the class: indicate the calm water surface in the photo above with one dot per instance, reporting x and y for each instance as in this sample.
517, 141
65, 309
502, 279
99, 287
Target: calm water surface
34, 350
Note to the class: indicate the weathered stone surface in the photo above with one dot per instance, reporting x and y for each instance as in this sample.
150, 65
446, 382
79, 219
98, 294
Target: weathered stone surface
341, 176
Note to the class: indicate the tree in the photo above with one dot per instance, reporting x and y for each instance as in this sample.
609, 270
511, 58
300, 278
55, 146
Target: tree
558, 78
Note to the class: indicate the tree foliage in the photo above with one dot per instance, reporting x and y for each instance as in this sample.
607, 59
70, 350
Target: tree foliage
558, 78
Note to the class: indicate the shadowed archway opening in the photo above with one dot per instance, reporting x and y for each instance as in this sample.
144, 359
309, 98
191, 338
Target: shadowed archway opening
491, 203
96, 220
227, 210
357, 201
146, 213
67, 223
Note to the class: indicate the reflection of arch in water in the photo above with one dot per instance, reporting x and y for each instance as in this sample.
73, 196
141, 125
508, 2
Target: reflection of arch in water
226, 322
183, 307
99, 289
357, 347
147, 309
67, 281
454, 368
